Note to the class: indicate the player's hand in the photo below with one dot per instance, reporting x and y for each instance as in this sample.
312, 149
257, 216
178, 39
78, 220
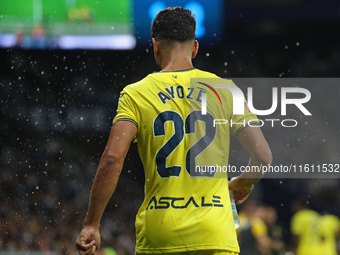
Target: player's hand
241, 187
88, 241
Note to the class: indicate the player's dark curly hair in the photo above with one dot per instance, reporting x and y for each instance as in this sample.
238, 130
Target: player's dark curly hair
174, 23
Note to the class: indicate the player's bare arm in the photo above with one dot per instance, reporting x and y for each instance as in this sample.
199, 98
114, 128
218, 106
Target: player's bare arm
252, 139
105, 182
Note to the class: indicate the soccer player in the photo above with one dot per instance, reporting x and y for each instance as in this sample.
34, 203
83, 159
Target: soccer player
329, 234
305, 226
184, 211
253, 232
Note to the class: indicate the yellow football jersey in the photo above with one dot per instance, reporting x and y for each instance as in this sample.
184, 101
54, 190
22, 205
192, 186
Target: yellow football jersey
305, 224
329, 229
258, 227
185, 208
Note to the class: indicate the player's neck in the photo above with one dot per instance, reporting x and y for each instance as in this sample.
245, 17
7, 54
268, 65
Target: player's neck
176, 61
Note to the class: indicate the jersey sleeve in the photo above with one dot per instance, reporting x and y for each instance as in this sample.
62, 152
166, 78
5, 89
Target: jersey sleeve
258, 228
127, 110
333, 224
297, 225
241, 121
336, 223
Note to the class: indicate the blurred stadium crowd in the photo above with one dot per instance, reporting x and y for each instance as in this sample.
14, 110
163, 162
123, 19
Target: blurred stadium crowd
56, 112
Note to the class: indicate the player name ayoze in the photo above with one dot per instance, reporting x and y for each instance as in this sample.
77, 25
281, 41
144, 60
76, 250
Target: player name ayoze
182, 203
179, 92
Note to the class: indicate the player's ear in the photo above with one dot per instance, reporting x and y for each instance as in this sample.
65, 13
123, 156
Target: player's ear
156, 48
195, 49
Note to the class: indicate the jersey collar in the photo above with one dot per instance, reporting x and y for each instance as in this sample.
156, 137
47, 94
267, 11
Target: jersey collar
184, 70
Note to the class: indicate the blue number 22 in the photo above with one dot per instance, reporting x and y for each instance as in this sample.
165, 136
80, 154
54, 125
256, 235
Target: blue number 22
177, 138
